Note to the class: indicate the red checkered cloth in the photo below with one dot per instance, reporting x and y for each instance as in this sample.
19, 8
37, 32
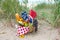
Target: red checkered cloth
22, 30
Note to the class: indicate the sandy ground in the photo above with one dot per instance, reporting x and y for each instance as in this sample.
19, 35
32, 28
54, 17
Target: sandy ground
45, 32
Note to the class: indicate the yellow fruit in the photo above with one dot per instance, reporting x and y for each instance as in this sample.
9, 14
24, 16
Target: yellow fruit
19, 19
30, 27
17, 16
25, 24
21, 36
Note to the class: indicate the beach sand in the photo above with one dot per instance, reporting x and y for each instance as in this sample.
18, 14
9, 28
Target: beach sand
45, 32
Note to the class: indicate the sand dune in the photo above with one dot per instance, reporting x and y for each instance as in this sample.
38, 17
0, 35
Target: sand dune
45, 32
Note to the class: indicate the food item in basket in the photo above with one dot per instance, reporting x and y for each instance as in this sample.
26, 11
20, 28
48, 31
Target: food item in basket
30, 27
26, 24
21, 36
19, 19
24, 15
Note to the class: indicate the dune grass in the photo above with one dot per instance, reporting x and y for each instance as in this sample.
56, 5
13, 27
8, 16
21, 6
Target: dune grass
49, 12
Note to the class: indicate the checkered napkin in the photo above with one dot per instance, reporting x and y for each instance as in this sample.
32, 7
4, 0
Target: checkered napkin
22, 30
